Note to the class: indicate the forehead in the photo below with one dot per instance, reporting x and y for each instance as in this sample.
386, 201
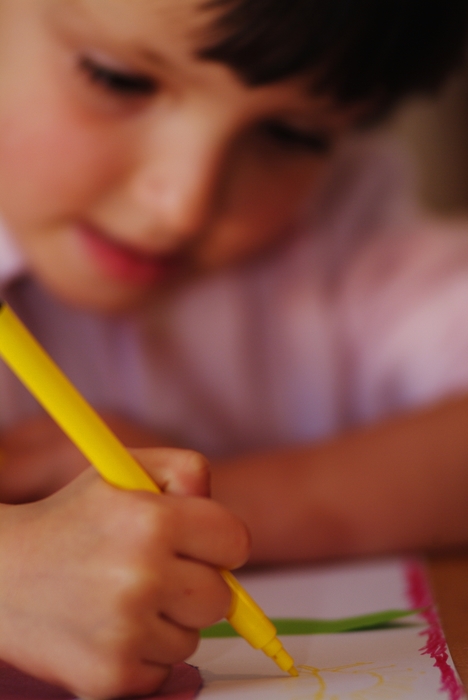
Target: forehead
141, 20
169, 34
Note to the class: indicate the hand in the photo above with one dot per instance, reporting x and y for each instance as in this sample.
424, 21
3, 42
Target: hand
37, 458
101, 590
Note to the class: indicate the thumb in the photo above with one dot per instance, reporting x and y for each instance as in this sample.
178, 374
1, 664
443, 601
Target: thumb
175, 471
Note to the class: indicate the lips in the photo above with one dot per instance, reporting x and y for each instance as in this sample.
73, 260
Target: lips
123, 263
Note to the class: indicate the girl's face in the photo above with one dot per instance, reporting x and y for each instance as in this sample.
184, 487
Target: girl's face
127, 164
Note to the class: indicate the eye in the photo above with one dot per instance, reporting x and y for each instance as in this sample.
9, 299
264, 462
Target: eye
297, 139
116, 81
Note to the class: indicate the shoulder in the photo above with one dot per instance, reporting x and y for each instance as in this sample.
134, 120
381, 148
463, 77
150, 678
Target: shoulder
404, 306
366, 191
369, 185
413, 260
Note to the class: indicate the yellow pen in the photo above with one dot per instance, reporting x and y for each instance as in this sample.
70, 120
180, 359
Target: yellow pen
33, 366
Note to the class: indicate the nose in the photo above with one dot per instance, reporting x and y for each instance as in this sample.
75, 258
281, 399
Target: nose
179, 183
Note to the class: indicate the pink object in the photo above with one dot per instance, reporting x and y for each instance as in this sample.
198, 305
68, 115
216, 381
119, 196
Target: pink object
419, 595
184, 683
361, 313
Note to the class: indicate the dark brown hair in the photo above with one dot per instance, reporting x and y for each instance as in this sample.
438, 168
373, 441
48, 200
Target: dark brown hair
378, 50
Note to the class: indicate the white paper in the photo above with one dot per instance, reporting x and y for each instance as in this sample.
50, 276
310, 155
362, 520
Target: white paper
372, 665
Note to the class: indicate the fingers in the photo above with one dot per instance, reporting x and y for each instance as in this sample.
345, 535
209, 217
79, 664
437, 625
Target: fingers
179, 472
198, 599
168, 643
123, 577
206, 531
113, 678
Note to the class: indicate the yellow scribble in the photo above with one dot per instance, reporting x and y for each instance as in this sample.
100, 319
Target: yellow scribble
380, 688
320, 694
315, 672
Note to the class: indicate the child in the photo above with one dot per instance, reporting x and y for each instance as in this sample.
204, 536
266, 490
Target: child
179, 238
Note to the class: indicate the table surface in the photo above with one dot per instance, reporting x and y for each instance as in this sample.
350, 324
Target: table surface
449, 580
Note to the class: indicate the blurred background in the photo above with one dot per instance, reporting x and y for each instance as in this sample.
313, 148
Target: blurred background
435, 132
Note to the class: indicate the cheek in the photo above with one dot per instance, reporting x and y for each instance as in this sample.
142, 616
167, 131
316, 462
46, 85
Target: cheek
268, 188
260, 206
50, 166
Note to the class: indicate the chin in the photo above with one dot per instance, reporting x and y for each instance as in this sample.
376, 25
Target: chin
111, 304
96, 297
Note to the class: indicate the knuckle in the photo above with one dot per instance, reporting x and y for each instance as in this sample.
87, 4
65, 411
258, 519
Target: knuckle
196, 463
132, 585
154, 521
241, 543
165, 522
194, 472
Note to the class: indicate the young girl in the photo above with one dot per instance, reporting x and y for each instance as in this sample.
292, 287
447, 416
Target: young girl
186, 234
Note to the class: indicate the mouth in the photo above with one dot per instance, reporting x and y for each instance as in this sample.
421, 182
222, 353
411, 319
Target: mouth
125, 263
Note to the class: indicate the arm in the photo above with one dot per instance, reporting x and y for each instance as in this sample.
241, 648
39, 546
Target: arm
37, 458
398, 485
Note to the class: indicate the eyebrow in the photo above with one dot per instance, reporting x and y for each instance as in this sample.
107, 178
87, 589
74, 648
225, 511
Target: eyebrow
78, 10
154, 57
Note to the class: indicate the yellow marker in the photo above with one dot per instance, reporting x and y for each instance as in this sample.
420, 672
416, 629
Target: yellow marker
97, 442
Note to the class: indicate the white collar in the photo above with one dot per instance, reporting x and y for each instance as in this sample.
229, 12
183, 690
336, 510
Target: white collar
12, 262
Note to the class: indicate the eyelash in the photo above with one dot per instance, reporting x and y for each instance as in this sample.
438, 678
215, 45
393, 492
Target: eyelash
125, 84
292, 138
117, 82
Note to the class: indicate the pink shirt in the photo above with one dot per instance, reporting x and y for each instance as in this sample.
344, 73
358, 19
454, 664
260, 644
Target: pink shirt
362, 313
